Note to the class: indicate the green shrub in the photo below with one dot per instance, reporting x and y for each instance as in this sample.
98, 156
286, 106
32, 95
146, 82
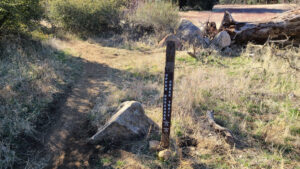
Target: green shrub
16, 15
198, 4
295, 130
86, 16
162, 16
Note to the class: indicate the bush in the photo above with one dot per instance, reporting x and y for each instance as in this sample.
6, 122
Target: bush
198, 4
86, 16
161, 16
16, 15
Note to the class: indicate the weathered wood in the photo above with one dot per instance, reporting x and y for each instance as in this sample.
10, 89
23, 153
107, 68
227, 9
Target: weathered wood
230, 139
168, 94
278, 28
210, 30
192, 55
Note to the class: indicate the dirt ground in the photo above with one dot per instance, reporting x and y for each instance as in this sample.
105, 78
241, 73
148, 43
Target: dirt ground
241, 13
66, 140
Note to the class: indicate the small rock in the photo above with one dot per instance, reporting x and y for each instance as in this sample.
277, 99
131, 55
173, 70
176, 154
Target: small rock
173, 38
192, 148
228, 51
202, 28
154, 145
222, 40
164, 155
129, 122
291, 95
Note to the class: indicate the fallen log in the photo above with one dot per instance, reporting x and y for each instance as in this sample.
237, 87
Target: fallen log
229, 138
285, 28
192, 55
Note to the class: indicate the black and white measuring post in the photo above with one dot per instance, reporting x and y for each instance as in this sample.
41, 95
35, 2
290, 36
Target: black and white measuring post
168, 94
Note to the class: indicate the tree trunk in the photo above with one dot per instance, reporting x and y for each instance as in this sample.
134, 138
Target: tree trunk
283, 28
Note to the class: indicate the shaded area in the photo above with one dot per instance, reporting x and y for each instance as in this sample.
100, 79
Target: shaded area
33, 77
66, 139
249, 10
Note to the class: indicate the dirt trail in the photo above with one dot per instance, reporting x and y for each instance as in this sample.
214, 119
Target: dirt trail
65, 141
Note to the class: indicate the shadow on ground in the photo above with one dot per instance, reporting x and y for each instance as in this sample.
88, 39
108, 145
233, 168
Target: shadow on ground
248, 10
65, 141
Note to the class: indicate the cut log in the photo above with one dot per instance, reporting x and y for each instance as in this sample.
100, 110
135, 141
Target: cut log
229, 138
283, 28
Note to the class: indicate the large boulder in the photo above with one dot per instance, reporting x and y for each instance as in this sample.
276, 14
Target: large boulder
173, 38
188, 32
129, 122
222, 40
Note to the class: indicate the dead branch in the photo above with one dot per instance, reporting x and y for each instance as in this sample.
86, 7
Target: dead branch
230, 139
192, 55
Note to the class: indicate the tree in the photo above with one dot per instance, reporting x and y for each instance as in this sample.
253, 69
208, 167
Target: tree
198, 4
18, 14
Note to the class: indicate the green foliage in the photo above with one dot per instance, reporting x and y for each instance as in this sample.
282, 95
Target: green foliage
295, 130
86, 16
162, 16
16, 15
198, 4
120, 164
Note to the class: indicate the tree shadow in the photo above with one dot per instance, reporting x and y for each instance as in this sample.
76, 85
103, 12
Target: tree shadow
42, 76
199, 166
248, 10
67, 136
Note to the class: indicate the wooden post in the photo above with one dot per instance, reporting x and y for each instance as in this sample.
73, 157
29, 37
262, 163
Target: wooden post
168, 94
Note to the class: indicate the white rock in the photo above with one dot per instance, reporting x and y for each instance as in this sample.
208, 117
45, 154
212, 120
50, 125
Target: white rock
129, 122
164, 155
222, 40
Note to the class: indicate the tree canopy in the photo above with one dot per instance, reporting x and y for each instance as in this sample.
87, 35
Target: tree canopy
18, 14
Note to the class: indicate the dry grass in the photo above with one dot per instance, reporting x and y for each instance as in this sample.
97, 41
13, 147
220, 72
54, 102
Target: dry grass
256, 95
32, 75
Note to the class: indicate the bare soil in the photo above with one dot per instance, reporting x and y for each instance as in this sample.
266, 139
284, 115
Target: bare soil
66, 140
241, 13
